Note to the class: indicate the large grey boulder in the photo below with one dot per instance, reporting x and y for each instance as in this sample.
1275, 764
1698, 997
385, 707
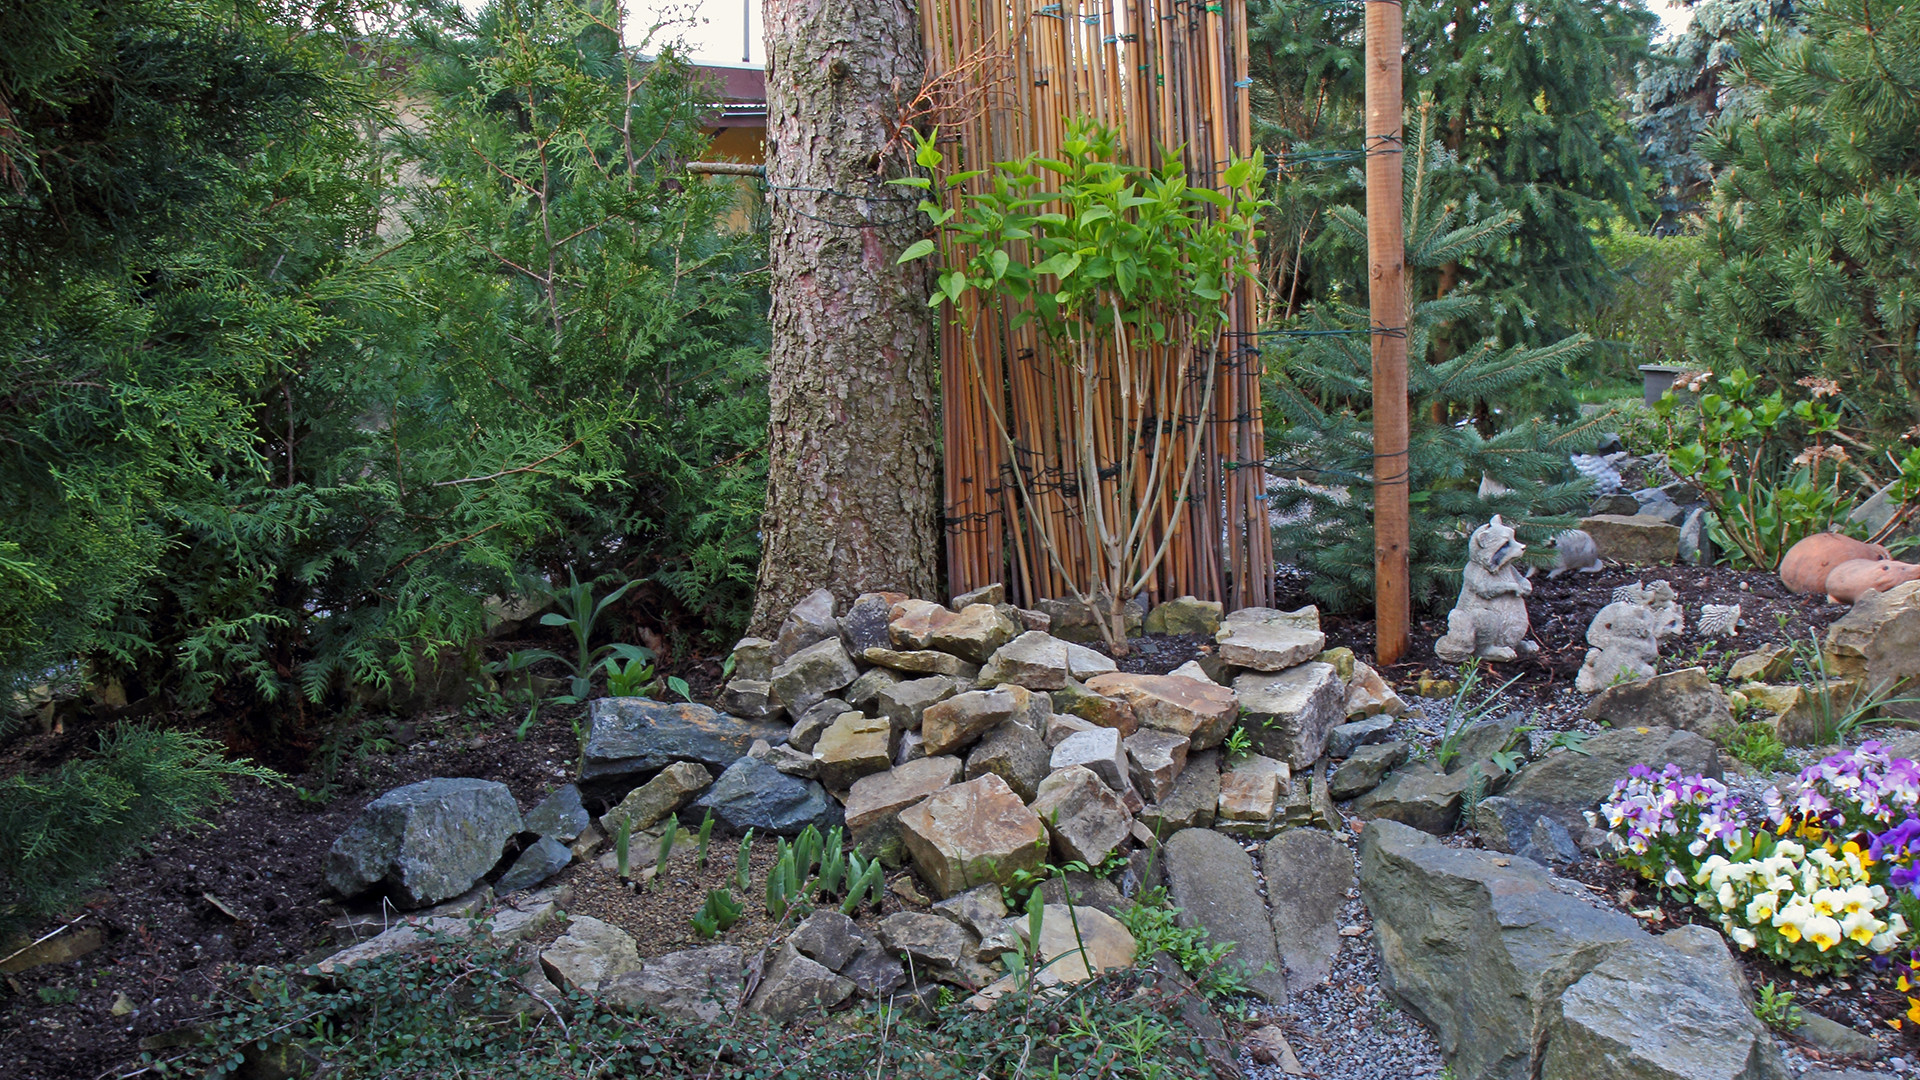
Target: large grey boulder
1308, 873
1418, 795
1211, 881
1290, 713
1686, 700
752, 794
694, 984
1564, 784
810, 675
1482, 947
426, 841
1670, 1008
628, 738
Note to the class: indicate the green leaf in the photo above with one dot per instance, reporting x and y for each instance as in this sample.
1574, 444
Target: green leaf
919, 249
1062, 265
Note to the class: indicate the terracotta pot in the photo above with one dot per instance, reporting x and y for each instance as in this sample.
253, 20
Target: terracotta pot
1807, 564
1855, 578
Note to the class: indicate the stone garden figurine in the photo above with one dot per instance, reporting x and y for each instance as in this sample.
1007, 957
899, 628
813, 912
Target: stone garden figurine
1626, 643
1490, 618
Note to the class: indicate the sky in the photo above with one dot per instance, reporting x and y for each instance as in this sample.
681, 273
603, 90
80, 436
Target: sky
712, 28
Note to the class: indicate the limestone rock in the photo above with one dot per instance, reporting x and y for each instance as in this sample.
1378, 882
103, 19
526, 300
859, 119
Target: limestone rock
1202, 712
1084, 663
1417, 795
753, 659
974, 633
992, 595
753, 794
1155, 759
645, 806
1014, 753
1290, 713
853, 746
914, 621
1101, 751
810, 622
1035, 660
1086, 820
865, 691
1075, 699
1032, 709
1211, 880
1879, 641
1343, 740
980, 909
1565, 784
874, 972
560, 815
810, 675
1762, 665
864, 626
1250, 793
1308, 873
904, 703
794, 985
876, 799
829, 937
971, 834
1079, 943
1065, 725
750, 698
928, 940
1193, 669
426, 841
1193, 801
1686, 700
628, 738
1184, 615
543, 858
790, 761
1364, 769
921, 662
806, 730
1368, 694
1635, 538
958, 721
694, 984
1264, 639
590, 953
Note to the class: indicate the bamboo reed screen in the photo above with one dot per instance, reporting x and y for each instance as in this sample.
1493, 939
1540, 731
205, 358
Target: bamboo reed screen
1005, 77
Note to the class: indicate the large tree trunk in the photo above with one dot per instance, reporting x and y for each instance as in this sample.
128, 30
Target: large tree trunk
853, 484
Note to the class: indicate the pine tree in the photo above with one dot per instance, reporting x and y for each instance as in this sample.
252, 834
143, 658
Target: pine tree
1320, 441
1814, 229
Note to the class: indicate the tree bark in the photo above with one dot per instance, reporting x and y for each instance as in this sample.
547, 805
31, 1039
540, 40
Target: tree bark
853, 470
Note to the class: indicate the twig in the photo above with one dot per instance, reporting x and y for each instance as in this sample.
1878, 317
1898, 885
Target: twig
507, 472
43, 937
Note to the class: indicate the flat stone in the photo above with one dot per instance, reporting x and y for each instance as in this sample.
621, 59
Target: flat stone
1193, 801
1154, 761
1564, 785
980, 909
1075, 699
1344, 739
1264, 639
992, 595
590, 953
1200, 711
1014, 753
903, 703
810, 622
864, 626
1066, 725
1032, 709
649, 804
61, 949
1364, 769
865, 691
812, 674
702, 985
914, 621
1289, 713
1071, 620
874, 972
1686, 700
1035, 660
974, 833
1520, 829
560, 815
1879, 643
805, 732
425, 842
1762, 665
853, 746
1101, 751
1633, 538
753, 659
628, 738
1211, 880
791, 761
878, 799
1417, 795
1368, 694
794, 985
1184, 615
543, 858
960, 720
974, 633
829, 937
1084, 663
1086, 820
927, 939
1250, 793
754, 795
1308, 873
750, 698
922, 662
1079, 942
1193, 669
1835, 1038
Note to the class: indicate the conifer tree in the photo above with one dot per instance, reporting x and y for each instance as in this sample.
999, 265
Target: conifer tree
1320, 441
1814, 229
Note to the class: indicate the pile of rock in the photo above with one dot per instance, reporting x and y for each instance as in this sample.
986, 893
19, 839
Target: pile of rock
1652, 525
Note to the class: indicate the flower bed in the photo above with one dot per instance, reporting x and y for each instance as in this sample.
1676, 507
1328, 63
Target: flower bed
1821, 877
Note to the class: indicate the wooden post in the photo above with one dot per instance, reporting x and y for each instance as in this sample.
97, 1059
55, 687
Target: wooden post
1387, 312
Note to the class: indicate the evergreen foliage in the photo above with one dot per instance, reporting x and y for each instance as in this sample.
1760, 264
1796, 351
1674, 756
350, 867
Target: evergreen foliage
1815, 222
1320, 438
1638, 323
